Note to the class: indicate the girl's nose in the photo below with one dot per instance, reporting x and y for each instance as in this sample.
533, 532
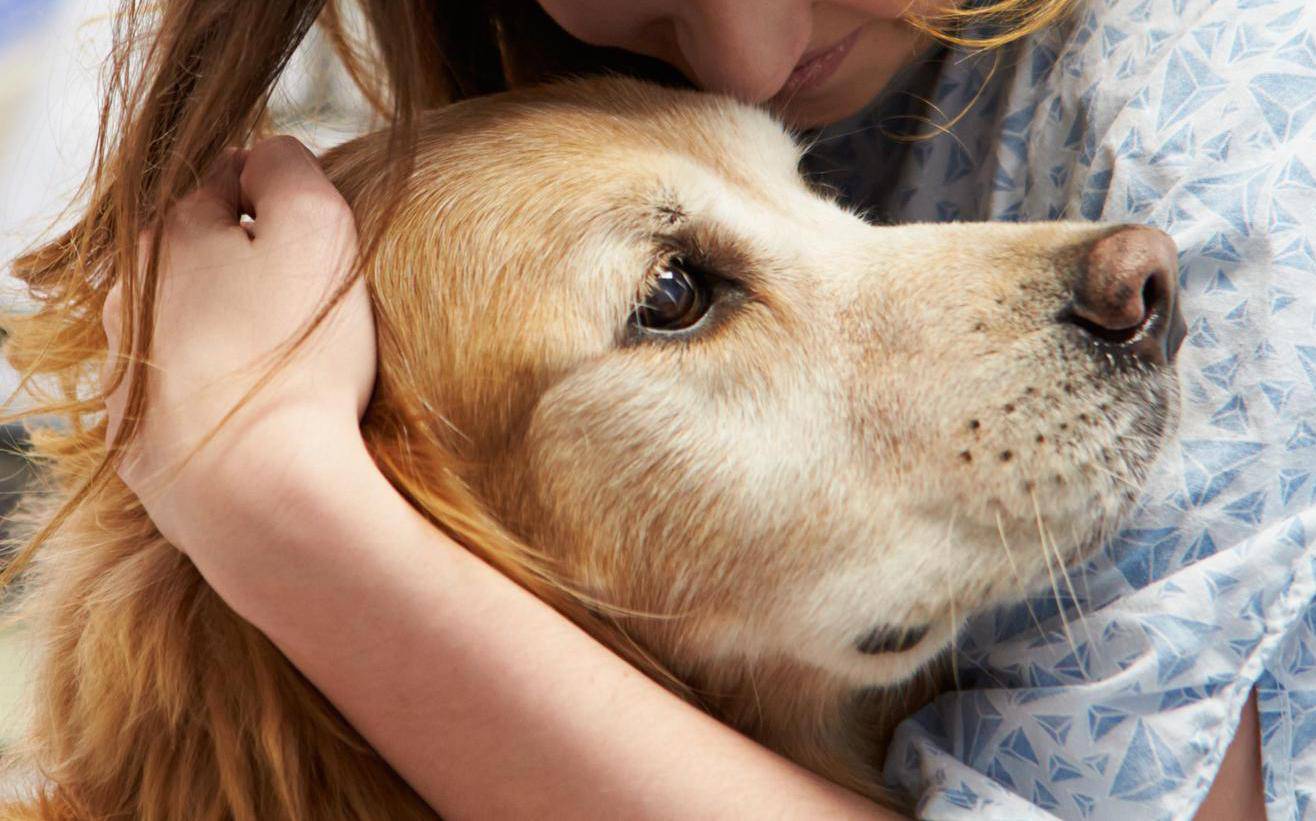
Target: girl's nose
746, 50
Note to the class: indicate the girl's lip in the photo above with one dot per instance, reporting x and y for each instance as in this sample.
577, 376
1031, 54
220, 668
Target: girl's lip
816, 66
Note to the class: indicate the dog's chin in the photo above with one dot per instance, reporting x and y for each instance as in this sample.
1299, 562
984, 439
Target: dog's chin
1152, 429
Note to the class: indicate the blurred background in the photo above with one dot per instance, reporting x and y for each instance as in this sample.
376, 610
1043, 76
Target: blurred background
51, 53
39, 146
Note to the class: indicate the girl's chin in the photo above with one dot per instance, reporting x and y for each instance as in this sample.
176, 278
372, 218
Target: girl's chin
825, 109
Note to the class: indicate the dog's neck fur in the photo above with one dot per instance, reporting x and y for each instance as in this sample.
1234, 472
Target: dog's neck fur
818, 720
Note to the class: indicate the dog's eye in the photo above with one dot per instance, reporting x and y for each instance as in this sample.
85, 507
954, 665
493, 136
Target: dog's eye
678, 299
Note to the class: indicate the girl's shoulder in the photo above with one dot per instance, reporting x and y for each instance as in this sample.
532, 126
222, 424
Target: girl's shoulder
1185, 85
1040, 128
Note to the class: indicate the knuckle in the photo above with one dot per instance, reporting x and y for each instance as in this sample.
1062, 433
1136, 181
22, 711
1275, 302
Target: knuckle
321, 203
283, 142
280, 147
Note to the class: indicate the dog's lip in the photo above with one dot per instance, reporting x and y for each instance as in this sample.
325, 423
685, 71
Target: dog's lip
887, 638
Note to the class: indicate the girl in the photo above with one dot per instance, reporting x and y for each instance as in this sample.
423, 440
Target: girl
1192, 116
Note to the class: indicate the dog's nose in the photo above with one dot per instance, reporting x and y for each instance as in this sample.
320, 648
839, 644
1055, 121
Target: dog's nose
1125, 299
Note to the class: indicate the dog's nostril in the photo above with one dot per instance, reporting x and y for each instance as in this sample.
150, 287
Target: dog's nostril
1125, 297
1150, 304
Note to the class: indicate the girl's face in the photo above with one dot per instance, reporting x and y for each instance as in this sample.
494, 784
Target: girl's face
813, 62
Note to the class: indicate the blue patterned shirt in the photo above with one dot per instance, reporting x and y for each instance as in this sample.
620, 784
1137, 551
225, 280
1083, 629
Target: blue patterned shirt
1116, 696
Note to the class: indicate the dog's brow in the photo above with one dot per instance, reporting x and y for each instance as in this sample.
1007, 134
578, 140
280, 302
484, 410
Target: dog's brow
671, 214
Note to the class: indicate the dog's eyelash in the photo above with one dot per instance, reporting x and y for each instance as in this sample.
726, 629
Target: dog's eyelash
714, 252
674, 300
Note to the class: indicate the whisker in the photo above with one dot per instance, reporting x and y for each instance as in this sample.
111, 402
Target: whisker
754, 688
954, 638
1093, 645
1018, 577
1050, 572
1123, 480
1073, 596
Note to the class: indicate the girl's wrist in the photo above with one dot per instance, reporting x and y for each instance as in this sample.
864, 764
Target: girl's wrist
323, 529
250, 495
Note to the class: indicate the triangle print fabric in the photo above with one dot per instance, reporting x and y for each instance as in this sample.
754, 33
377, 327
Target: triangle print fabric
1117, 699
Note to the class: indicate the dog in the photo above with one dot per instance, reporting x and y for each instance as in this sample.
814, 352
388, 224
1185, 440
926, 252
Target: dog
768, 452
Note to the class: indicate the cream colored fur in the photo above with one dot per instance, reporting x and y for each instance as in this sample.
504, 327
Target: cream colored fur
873, 427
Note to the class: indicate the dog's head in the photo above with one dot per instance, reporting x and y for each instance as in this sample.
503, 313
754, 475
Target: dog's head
711, 395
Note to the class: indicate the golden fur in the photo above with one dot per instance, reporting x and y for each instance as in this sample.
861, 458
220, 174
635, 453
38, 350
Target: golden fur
874, 427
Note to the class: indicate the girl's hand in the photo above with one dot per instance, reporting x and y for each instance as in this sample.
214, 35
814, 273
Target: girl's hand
231, 299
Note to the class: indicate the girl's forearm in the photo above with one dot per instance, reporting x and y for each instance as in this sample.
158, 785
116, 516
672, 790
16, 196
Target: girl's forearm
486, 700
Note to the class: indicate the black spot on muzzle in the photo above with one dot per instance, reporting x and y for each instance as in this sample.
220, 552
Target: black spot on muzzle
887, 639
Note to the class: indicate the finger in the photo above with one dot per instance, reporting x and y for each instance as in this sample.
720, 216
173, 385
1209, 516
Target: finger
217, 202
283, 188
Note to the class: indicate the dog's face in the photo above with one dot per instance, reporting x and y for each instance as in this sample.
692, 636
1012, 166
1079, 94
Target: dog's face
715, 397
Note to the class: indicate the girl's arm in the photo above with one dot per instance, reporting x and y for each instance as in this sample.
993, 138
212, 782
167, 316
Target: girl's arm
485, 699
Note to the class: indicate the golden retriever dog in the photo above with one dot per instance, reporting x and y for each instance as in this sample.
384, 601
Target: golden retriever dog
770, 453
